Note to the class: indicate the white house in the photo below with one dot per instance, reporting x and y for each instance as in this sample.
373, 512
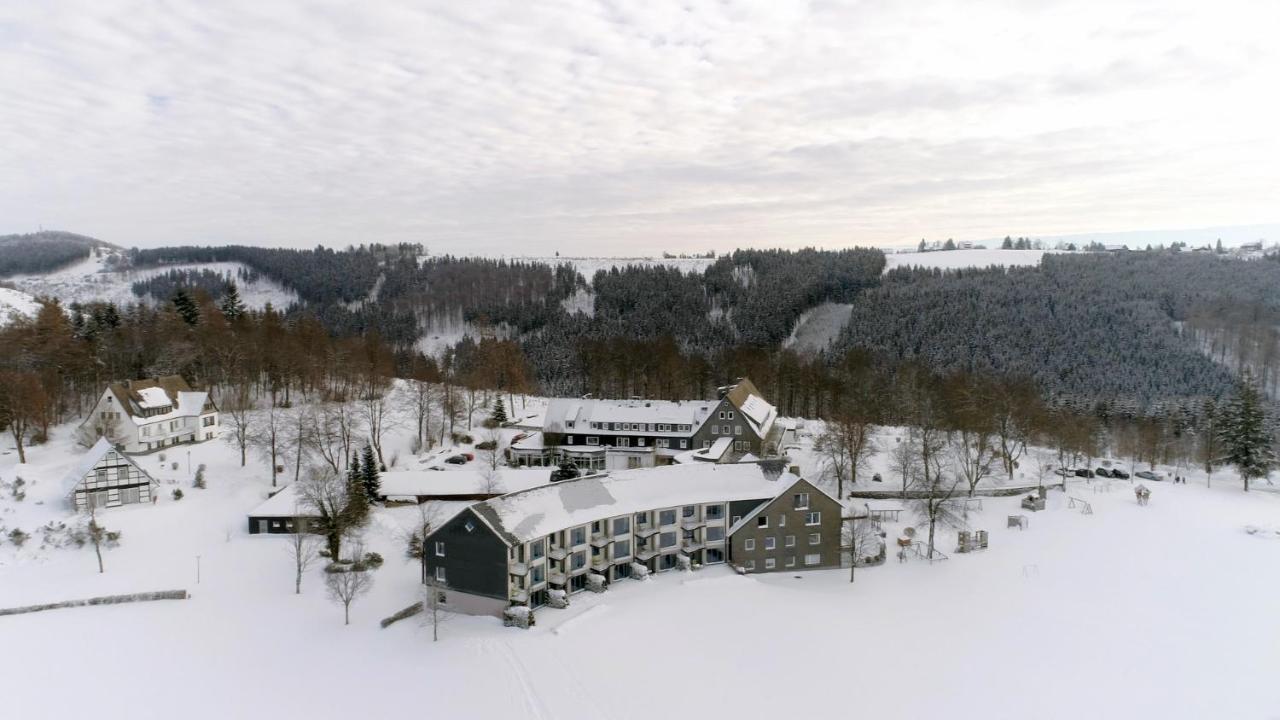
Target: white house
144, 415
106, 477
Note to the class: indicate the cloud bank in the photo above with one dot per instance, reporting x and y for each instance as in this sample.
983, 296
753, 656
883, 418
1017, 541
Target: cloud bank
611, 127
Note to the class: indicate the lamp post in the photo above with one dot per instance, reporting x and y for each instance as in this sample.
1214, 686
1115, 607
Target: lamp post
188, 463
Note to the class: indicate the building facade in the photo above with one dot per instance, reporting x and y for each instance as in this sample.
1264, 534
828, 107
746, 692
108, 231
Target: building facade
628, 434
517, 549
799, 529
140, 416
105, 477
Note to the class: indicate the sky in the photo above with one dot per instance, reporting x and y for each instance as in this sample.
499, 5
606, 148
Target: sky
603, 127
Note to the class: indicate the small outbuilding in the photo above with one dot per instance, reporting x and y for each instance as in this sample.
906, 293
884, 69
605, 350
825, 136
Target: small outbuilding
105, 477
283, 512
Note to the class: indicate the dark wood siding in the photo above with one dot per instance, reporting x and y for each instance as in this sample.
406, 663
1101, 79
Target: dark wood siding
475, 560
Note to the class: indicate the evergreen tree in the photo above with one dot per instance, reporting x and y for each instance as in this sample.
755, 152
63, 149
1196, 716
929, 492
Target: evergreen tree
369, 474
1246, 441
949, 244
1007, 244
499, 415
1219, 249
232, 306
357, 509
922, 246
186, 307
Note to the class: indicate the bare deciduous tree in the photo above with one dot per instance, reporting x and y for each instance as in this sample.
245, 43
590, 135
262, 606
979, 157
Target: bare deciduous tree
97, 535
433, 606
237, 412
304, 550
345, 586
266, 435
938, 503
325, 492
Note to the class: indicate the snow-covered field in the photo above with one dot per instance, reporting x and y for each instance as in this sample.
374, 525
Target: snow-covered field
951, 259
1159, 611
89, 280
16, 302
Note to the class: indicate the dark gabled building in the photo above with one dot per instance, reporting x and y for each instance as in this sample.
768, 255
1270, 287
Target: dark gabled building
799, 529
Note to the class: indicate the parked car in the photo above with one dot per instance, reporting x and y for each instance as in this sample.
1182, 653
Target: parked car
1119, 474
1063, 472
1148, 475
456, 459
1103, 472
1084, 473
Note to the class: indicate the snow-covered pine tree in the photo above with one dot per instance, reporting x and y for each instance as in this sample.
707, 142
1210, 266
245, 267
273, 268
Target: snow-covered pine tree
232, 306
499, 412
1246, 440
369, 474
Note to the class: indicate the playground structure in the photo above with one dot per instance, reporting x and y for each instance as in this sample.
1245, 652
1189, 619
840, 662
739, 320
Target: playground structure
1084, 506
967, 542
1018, 521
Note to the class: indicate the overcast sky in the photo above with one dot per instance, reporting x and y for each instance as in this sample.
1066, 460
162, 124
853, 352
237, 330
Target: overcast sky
594, 127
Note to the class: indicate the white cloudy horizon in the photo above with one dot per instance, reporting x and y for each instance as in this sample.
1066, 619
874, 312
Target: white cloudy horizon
614, 128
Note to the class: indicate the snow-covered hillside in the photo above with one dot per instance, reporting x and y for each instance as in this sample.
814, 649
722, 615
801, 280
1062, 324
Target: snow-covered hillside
950, 259
818, 326
90, 280
1124, 612
16, 302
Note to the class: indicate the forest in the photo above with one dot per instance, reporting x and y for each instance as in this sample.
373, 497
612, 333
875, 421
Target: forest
43, 251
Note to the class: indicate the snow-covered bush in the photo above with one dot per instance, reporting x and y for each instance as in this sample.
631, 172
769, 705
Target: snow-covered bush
199, 482
639, 572
595, 582
19, 489
372, 560
462, 439
177, 493
683, 562
173, 466
18, 537
161, 458
558, 598
519, 616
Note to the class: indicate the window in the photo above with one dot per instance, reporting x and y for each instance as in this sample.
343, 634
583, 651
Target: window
813, 559
621, 526
593, 440
727, 430
130, 495
749, 565
713, 555
667, 539
639, 442
537, 574
663, 443
749, 544
568, 440
815, 539
771, 543
762, 521
737, 429
624, 442
782, 521
800, 501
734, 520
770, 563
469, 527
208, 421
715, 429
721, 414
707, 443
621, 549
791, 561
667, 517
439, 549
642, 519
578, 536
813, 518
689, 511
715, 512
684, 444
595, 527
537, 549
440, 574
568, 423
790, 541
714, 533
579, 560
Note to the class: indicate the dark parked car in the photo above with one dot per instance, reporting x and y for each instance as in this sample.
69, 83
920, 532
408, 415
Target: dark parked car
1103, 472
1084, 473
1119, 474
456, 460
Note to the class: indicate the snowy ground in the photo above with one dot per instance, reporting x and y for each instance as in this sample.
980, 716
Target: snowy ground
950, 259
1159, 611
16, 302
87, 281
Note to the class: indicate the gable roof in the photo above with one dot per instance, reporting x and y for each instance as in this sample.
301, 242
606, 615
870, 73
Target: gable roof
135, 396
91, 458
521, 516
746, 517
759, 414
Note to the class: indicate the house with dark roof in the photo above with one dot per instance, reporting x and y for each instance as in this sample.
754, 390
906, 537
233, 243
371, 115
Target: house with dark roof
519, 548
598, 434
140, 416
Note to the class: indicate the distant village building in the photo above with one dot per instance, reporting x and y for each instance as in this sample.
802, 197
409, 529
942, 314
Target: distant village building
144, 415
105, 477
625, 434
520, 548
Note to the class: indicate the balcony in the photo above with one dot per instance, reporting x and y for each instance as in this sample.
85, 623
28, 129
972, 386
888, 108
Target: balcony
519, 569
692, 523
519, 596
558, 553
691, 546
598, 541
556, 578
645, 553
601, 563
646, 531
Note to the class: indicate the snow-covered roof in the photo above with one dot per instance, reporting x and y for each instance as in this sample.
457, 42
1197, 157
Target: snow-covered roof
91, 458
716, 451
747, 517
522, 516
582, 412
137, 396
153, 397
459, 482
285, 503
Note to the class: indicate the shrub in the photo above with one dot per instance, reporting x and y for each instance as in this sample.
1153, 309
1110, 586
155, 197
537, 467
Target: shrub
177, 493
17, 537
373, 560
19, 489
199, 483
489, 423
413, 547
162, 458
462, 439
487, 445
173, 466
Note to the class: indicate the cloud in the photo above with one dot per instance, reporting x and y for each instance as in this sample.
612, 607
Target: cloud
616, 127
